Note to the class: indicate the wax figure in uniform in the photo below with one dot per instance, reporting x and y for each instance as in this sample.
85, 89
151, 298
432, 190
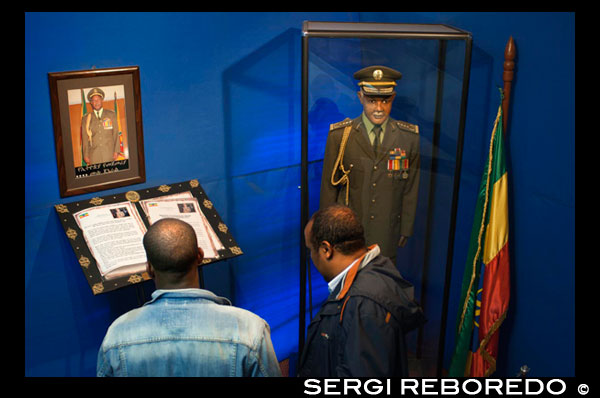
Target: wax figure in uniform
360, 330
184, 330
371, 164
99, 131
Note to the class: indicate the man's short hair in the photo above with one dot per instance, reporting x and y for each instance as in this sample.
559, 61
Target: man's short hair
339, 225
171, 246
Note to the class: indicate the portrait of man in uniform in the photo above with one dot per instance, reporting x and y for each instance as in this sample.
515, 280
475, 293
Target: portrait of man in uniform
98, 132
371, 163
98, 125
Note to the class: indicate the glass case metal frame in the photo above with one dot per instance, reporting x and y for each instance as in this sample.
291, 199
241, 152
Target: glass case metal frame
439, 32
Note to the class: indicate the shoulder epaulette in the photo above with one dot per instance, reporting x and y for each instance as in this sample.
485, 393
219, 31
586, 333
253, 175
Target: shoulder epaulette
413, 128
343, 123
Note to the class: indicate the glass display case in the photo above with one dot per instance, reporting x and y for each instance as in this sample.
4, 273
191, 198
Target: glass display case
430, 100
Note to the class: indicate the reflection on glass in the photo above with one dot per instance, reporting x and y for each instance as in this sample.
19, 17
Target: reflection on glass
428, 102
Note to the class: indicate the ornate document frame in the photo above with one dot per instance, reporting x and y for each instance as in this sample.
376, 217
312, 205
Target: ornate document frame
88, 263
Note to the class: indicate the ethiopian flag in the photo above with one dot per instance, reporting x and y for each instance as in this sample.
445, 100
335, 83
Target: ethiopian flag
83, 113
475, 355
121, 150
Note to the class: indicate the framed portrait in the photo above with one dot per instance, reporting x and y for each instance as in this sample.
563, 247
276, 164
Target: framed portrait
97, 119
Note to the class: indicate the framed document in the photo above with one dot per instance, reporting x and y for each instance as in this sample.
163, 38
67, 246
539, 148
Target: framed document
106, 233
97, 118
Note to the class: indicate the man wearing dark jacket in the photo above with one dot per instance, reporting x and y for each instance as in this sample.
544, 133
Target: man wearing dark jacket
359, 331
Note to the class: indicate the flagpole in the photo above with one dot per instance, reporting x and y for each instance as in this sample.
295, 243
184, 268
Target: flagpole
508, 75
460, 356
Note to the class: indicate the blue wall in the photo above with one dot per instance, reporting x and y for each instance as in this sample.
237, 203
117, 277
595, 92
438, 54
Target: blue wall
221, 103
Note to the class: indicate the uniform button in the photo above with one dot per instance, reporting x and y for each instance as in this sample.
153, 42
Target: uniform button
372, 200
372, 217
374, 184
374, 167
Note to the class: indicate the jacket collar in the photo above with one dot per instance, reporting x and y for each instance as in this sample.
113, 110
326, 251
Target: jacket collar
188, 293
363, 140
372, 252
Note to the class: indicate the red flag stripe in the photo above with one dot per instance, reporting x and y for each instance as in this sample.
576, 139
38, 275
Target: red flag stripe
494, 304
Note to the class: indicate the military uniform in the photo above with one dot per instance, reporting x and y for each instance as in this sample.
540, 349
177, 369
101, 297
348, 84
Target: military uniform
382, 186
100, 135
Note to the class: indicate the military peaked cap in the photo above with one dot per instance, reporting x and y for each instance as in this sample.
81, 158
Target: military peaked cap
95, 91
377, 80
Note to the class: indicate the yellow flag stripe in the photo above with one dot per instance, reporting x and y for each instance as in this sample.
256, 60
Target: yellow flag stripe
496, 234
118, 118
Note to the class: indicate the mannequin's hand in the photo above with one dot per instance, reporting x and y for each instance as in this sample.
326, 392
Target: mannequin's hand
402, 241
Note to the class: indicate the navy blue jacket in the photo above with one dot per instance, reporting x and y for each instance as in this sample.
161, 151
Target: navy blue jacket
359, 331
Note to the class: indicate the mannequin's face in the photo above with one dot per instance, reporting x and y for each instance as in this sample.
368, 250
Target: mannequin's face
377, 109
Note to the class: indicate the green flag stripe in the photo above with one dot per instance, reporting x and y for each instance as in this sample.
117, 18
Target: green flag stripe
83, 113
498, 162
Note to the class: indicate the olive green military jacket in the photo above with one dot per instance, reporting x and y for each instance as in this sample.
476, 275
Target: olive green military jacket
383, 187
100, 137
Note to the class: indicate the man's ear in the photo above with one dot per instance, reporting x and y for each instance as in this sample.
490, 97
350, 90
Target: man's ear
326, 249
200, 255
150, 270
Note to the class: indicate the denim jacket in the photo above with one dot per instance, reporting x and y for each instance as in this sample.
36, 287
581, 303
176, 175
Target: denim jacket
187, 332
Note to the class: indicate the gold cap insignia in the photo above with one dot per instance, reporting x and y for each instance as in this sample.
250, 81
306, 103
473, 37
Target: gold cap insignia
377, 74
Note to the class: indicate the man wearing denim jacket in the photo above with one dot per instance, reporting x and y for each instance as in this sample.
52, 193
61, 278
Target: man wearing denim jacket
184, 330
